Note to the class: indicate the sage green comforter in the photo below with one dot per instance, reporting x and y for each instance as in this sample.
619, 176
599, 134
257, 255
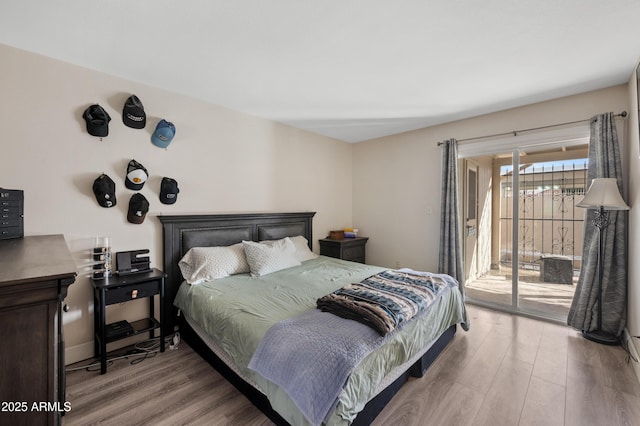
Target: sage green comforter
238, 310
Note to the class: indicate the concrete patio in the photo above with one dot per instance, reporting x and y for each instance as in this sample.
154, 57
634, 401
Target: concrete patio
553, 299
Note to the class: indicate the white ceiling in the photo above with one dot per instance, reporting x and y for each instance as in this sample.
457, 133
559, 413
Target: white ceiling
349, 69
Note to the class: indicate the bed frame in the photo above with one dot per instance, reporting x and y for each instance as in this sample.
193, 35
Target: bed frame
180, 233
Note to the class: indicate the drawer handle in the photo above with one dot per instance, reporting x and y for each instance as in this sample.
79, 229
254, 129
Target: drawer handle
134, 294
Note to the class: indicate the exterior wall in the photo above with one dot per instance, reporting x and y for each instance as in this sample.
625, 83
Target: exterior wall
224, 162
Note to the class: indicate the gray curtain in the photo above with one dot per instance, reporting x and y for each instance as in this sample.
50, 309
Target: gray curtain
450, 259
604, 162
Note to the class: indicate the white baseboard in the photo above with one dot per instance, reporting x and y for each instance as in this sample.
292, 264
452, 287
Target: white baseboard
633, 345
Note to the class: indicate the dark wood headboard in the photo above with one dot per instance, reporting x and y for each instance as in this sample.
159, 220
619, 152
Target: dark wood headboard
182, 232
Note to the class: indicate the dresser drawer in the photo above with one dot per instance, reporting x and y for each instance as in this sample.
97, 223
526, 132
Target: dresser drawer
131, 292
10, 222
11, 214
11, 232
10, 211
4, 203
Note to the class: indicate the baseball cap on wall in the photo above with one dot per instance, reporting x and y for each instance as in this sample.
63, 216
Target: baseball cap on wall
97, 120
138, 208
104, 188
164, 133
136, 175
133, 114
168, 191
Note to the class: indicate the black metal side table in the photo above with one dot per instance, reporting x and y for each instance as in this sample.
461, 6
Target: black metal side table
118, 289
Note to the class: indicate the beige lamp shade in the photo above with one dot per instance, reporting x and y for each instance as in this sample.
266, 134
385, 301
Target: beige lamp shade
604, 193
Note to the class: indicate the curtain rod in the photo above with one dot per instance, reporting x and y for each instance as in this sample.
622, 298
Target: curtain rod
515, 132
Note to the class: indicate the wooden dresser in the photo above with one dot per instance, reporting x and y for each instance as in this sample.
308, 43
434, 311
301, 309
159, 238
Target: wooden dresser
35, 273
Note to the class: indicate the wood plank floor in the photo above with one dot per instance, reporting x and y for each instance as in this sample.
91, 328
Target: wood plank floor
507, 370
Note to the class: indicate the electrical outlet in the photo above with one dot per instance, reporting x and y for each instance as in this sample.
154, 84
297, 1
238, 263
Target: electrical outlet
397, 264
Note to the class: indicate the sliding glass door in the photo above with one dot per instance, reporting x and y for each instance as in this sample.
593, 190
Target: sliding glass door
523, 254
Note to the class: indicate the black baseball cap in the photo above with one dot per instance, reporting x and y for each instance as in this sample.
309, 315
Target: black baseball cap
133, 114
168, 190
138, 208
97, 120
104, 189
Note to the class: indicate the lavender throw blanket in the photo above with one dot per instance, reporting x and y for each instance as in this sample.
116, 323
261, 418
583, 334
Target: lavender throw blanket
324, 350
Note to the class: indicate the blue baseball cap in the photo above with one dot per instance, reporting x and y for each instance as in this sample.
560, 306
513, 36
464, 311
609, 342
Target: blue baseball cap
163, 134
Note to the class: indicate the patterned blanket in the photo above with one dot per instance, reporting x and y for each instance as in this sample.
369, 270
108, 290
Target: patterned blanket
384, 301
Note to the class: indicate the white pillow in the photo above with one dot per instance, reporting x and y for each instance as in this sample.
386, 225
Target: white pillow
264, 259
302, 247
202, 264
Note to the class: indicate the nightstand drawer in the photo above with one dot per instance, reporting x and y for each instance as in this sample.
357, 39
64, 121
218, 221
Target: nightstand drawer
131, 292
355, 252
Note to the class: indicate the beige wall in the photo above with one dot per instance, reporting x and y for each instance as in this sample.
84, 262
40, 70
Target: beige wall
396, 179
224, 162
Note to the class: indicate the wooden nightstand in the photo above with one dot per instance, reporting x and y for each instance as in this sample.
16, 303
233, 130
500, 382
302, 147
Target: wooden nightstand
346, 249
118, 289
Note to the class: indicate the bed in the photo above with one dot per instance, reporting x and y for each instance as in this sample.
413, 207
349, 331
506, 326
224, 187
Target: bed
365, 393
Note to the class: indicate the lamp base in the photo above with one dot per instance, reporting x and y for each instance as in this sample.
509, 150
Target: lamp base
601, 337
